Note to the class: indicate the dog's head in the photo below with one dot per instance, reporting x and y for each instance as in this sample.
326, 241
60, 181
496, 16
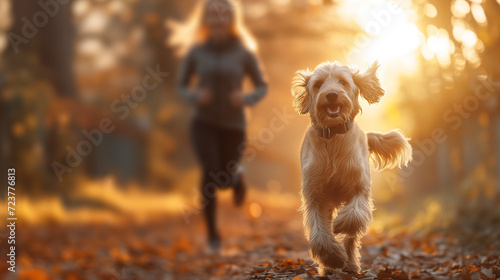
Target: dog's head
330, 93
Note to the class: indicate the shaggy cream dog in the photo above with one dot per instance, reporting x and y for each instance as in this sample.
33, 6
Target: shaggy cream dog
335, 160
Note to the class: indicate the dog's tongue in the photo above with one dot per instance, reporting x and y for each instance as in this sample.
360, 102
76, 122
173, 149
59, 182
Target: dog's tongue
333, 110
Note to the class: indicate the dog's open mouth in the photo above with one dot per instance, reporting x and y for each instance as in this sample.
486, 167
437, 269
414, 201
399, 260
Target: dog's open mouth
333, 111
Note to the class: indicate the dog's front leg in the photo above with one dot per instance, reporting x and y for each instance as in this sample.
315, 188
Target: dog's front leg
353, 220
323, 246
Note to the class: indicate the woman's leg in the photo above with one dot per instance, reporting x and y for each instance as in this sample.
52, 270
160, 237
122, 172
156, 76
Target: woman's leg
233, 146
206, 142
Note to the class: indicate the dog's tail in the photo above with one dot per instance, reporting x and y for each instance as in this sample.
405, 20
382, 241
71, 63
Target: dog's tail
389, 150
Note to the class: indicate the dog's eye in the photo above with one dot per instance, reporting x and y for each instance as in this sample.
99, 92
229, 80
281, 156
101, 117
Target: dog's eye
342, 82
317, 85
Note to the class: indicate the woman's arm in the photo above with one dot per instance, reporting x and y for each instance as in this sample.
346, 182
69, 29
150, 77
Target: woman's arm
253, 70
187, 70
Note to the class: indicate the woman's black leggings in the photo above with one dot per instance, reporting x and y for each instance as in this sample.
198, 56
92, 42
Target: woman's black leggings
218, 150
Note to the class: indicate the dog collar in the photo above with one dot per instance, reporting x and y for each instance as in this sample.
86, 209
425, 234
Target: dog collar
329, 132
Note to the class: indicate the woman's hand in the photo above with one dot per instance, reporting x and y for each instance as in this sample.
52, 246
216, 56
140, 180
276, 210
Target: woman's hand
236, 99
205, 97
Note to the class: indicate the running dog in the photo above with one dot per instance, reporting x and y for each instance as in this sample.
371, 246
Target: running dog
336, 195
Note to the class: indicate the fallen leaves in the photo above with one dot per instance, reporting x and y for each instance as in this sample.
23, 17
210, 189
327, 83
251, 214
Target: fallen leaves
33, 274
284, 269
271, 247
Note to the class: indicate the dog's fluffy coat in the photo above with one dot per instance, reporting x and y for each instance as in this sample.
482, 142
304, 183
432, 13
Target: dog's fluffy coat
336, 171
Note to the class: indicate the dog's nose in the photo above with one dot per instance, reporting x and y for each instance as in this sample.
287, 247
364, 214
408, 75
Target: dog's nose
332, 96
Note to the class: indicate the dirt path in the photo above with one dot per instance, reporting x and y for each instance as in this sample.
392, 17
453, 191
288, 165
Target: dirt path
271, 246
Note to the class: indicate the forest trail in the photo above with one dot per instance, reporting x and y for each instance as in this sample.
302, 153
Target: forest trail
271, 246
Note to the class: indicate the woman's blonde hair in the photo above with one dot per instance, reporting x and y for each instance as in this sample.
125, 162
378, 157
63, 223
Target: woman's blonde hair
192, 31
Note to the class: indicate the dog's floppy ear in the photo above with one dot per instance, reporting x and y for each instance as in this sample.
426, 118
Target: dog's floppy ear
301, 103
369, 84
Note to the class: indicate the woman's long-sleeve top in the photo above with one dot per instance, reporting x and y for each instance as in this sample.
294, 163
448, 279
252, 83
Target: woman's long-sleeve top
220, 69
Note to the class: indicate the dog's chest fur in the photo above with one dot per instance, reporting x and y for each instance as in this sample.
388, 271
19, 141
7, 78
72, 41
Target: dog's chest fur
338, 168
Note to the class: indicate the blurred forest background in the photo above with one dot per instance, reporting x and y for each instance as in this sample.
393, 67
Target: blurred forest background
66, 65
61, 74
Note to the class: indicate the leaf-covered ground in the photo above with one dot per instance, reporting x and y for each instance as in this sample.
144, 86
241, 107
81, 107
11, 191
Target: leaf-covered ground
270, 246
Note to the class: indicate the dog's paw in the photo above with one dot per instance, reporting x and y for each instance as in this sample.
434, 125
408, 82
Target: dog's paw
346, 226
333, 256
354, 218
333, 261
352, 267
324, 271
